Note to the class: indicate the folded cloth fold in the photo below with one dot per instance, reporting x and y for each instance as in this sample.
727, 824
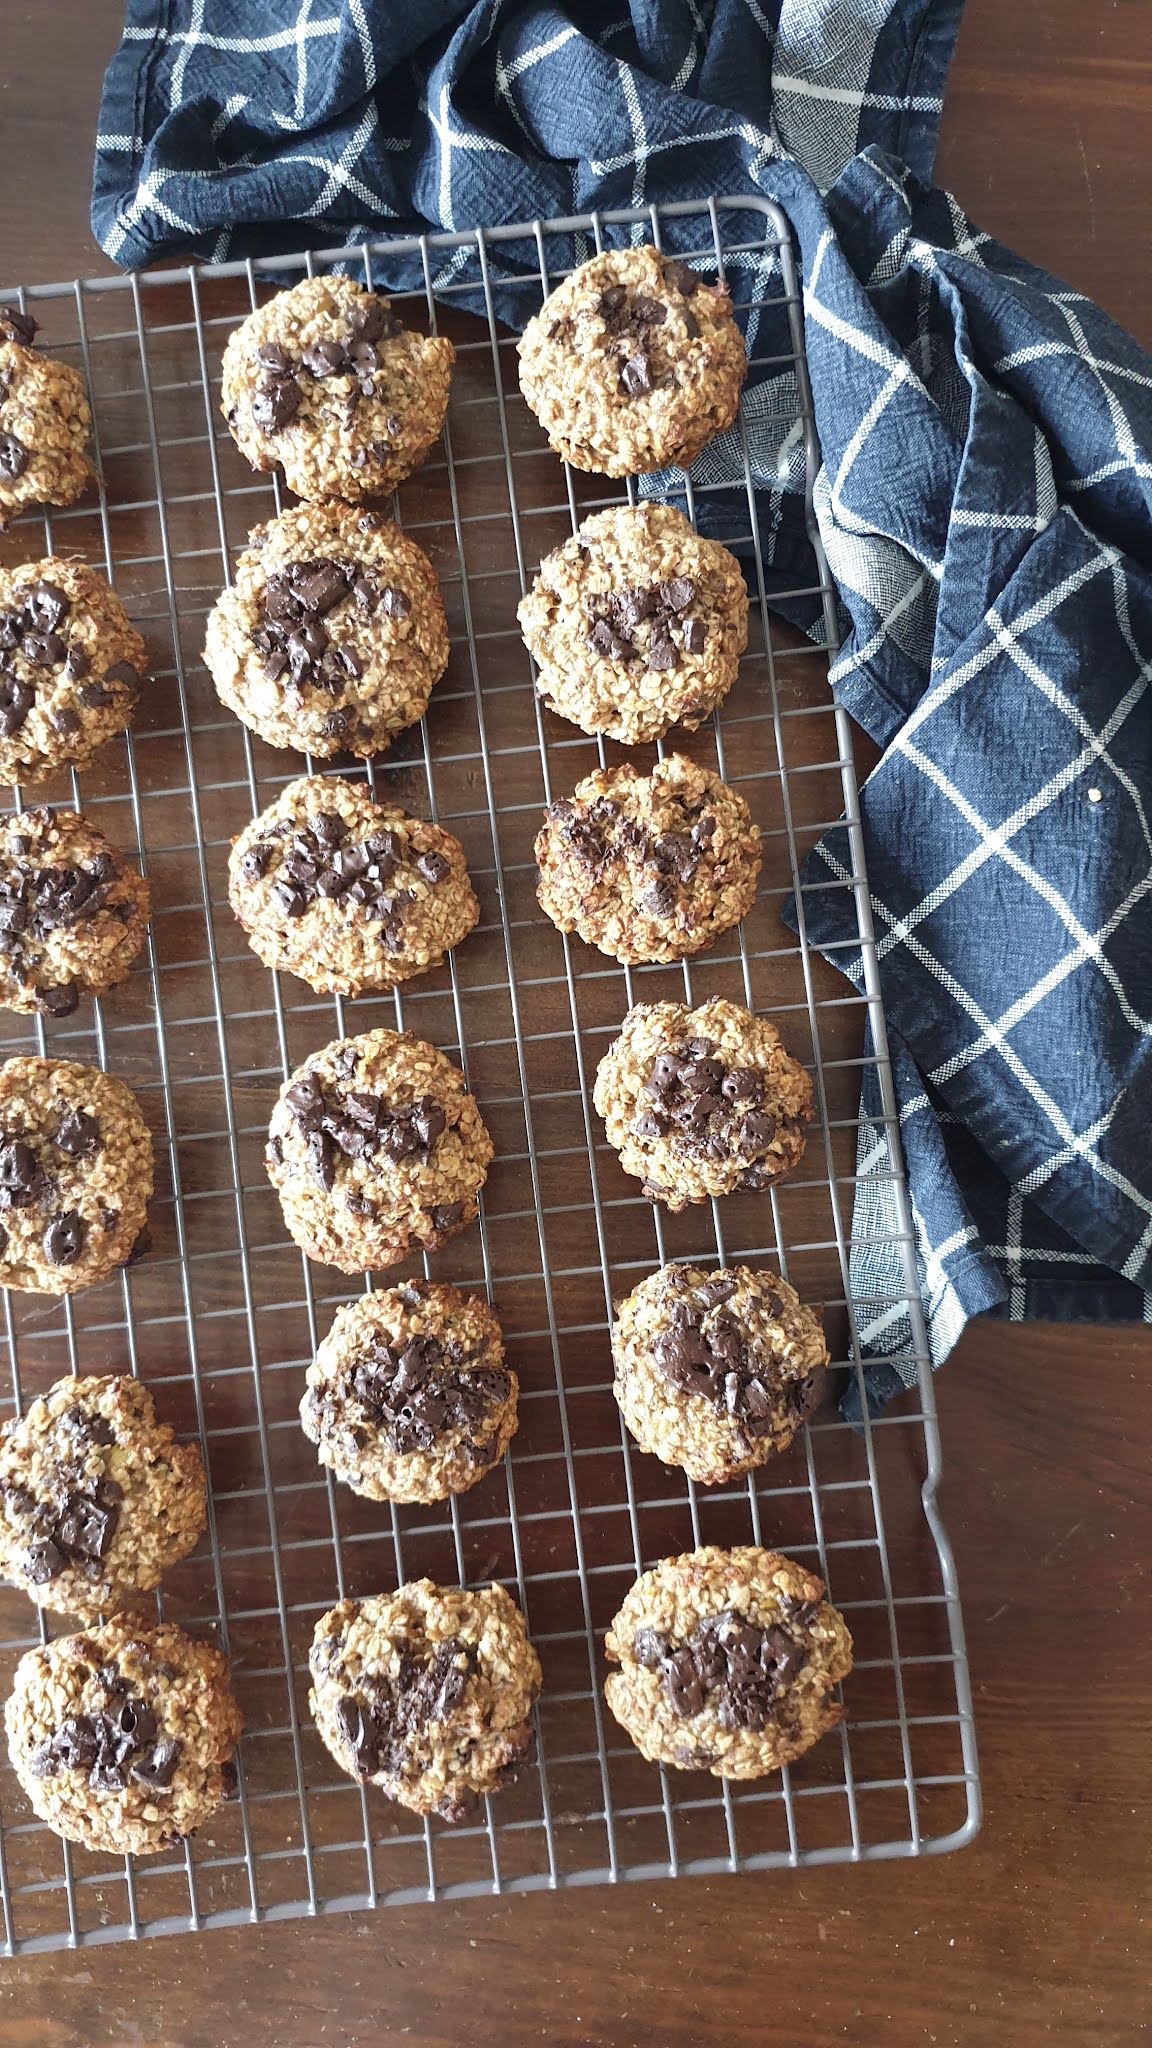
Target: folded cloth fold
985, 502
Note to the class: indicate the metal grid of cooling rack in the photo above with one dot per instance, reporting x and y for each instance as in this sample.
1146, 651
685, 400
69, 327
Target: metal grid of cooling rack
223, 1317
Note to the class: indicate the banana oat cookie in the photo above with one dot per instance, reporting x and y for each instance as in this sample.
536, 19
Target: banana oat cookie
636, 624
328, 383
702, 1102
649, 867
332, 634
633, 363
73, 911
349, 894
408, 1396
376, 1149
75, 1175
45, 422
426, 1692
97, 1499
728, 1659
123, 1737
716, 1371
71, 667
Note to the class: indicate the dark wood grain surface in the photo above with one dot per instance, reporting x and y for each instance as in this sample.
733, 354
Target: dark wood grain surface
1039, 1932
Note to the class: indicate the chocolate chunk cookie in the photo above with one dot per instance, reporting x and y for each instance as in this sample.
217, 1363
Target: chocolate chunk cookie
123, 1737
376, 1150
332, 635
97, 1499
702, 1102
45, 422
73, 912
408, 1396
426, 1692
636, 624
633, 363
716, 1371
649, 867
75, 1175
349, 894
71, 667
728, 1659
328, 383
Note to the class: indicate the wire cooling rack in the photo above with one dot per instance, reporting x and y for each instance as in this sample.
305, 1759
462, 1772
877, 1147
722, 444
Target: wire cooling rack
223, 1317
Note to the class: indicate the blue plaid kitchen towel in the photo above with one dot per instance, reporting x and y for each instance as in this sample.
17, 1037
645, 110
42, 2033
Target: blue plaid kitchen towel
985, 501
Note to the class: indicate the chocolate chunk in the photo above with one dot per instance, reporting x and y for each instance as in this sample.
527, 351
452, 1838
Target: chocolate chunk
157, 1767
17, 325
86, 1528
678, 594
446, 1215
59, 1000
16, 701
322, 1159
602, 639
275, 403
64, 1240
124, 675
256, 860
682, 1681
271, 356
611, 303
17, 1171
662, 652
45, 606
659, 900
325, 358
648, 312
375, 321
432, 866
393, 602
636, 376
13, 457
337, 723
694, 638
716, 1291
650, 1646
325, 587
43, 1561
756, 1132
681, 277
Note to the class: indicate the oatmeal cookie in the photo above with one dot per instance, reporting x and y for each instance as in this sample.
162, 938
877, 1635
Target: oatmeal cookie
328, 383
97, 1499
73, 911
636, 624
408, 1396
376, 1149
332, 634
75, 1175
45, 422
426, 1692
649, 867
71, 667
633, 363
349, 894
716, 1371
123, 1737
728, 1659
702, 1102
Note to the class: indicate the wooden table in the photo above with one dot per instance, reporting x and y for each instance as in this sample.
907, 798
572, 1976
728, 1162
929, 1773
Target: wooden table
1038, 1932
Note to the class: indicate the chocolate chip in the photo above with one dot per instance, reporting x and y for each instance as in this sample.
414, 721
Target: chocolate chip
271, 356
636, 376
756, 1132
446, 1215
375, 321
17, 1170
16, 701
393, 602
60, 1000
45, 605
13, 457
255, 861
124, 676
64, 1240
275, 403
740, 1083
78, 1134
681, 277
611, 303
305, 1100
432, 866
17, 325
648, 312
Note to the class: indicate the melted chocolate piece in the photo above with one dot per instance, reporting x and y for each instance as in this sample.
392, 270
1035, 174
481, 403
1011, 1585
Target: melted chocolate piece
614, 620
417, 1392
727, 1664
291, 635
16, 701
112, 1747
706, 1109
319, 860
16, 325
681, 277
13, 457
705, 1350
64, 1240
596, 834
35, 901
377, 1730
357, 1125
